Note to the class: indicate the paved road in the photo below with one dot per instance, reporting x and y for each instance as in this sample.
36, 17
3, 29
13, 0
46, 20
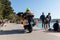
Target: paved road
15, 32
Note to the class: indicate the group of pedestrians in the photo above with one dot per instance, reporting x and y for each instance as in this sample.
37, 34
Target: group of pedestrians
45, 21
28, 21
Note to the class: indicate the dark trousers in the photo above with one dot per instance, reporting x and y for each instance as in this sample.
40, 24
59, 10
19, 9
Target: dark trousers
25, 27
43, 24
49, 25
29, 26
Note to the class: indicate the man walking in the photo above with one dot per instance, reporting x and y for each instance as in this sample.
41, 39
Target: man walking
42, 17
28, 17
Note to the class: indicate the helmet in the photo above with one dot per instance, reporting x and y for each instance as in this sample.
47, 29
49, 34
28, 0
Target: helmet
27, 9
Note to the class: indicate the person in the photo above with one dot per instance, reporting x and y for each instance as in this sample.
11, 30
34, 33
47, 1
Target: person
49, 19
24, 23
46, 24
56, 26
42, 17
37, 22
29, 17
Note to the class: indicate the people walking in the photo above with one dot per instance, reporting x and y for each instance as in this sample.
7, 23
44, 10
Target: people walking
48, 17
42, 17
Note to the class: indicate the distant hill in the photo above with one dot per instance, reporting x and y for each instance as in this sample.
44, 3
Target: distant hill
53, 20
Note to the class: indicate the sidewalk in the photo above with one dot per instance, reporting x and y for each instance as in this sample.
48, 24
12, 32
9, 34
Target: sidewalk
15, 32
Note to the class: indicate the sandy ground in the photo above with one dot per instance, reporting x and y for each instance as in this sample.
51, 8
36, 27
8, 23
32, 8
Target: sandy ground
15, 32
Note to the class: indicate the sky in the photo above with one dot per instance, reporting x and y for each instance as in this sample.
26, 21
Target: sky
37, 7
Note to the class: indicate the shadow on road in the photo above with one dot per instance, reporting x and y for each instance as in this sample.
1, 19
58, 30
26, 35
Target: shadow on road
7, 32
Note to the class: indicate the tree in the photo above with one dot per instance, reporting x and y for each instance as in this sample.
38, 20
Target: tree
7, 9
1, 10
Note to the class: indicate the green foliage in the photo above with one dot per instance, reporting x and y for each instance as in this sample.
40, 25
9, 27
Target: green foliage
6, 11
1, 17
7, 8
1, 10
